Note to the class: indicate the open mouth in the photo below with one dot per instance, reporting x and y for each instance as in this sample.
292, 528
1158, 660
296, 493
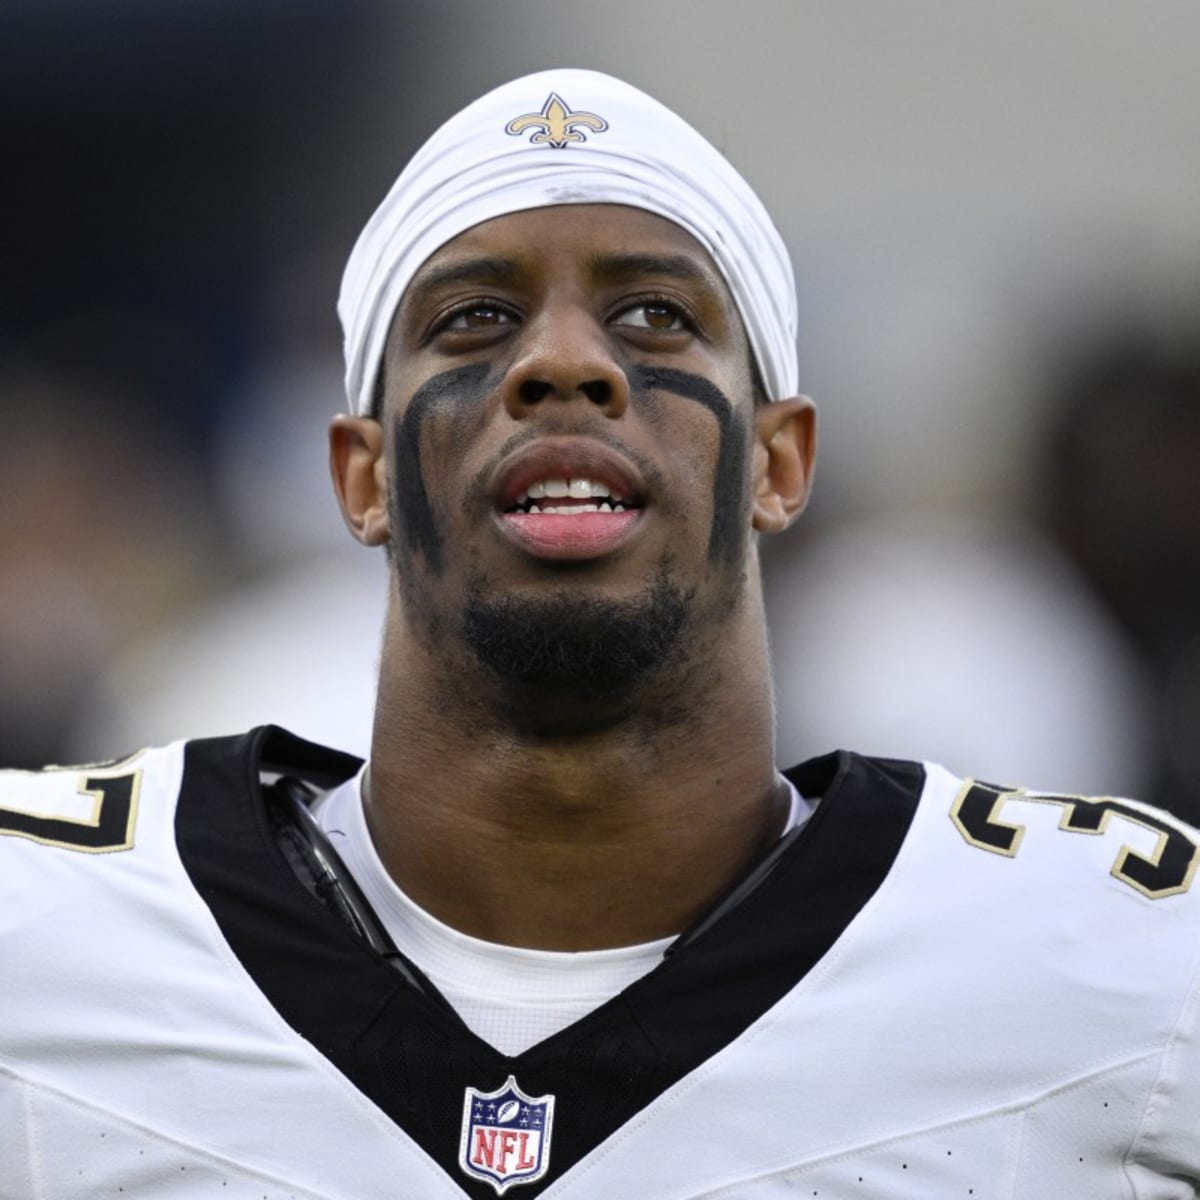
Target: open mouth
570, 497
572, 518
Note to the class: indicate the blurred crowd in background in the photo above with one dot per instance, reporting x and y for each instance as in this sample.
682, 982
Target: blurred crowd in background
994, 214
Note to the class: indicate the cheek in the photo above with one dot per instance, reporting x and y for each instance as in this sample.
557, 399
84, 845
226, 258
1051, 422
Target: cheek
692, 442
710, 459
449, 443
443, 420
441, 415
690, 446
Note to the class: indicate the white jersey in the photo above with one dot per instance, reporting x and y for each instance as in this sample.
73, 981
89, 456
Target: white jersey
941, 989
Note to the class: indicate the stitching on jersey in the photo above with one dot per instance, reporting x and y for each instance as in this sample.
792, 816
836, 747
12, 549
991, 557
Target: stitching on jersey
32, 1156
1156, 1099
1021, 1105
1021, 1108
1018, 1150
218, 1161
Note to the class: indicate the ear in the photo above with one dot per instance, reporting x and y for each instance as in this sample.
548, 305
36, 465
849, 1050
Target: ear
784, 451
360, 477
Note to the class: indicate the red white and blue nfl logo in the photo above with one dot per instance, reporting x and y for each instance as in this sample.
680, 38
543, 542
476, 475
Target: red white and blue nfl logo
505, 1135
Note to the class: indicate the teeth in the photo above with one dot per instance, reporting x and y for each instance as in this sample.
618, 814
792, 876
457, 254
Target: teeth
578, 488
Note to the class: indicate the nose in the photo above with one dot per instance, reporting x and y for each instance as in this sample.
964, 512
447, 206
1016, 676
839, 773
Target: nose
566, 355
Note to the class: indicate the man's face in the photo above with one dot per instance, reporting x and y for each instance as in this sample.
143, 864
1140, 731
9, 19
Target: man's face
586, 349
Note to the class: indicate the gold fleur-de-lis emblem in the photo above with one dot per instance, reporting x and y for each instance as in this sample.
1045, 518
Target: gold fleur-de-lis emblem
556, 123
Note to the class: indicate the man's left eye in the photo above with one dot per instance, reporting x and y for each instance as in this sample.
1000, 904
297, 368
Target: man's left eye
661, 318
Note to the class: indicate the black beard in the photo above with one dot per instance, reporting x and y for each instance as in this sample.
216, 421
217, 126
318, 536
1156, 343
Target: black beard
576, 645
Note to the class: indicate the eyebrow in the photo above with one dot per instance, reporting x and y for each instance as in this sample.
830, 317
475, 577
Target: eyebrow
615, 268
495, 271
605, 268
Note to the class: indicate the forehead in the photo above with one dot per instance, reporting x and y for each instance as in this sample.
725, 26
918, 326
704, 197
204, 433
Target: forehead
608, 242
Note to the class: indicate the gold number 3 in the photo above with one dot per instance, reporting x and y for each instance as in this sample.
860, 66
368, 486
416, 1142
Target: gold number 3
1166, 871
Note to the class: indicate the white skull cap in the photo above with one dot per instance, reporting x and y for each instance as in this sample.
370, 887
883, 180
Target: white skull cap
568, 137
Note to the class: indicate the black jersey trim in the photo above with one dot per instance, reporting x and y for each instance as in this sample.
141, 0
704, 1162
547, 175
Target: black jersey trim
414, 1058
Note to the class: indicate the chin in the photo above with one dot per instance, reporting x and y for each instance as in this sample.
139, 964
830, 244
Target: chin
576, 643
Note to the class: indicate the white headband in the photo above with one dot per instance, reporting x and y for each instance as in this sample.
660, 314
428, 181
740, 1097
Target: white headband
568, 137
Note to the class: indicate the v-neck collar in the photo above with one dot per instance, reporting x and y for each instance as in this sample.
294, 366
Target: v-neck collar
412, 1055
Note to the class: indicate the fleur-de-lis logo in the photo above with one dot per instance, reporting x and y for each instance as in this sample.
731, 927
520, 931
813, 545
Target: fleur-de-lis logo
556, 123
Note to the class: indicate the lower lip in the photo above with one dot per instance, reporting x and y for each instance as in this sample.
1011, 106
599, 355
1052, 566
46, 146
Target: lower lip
567, 536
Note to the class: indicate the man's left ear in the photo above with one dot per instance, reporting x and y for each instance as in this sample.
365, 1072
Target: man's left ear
785, 448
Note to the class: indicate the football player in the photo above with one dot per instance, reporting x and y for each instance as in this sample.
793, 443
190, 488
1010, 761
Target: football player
571, 932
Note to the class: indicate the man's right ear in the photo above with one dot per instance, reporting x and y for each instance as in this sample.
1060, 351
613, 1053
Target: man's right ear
360, 477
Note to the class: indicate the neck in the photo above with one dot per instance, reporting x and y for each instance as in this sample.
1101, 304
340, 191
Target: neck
578, 835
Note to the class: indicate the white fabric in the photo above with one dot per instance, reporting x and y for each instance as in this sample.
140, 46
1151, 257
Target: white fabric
477, 166
510, 996
1024, 1027
136, 1055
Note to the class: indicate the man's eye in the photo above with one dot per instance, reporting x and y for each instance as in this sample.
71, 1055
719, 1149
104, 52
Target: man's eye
476, 317
649, 314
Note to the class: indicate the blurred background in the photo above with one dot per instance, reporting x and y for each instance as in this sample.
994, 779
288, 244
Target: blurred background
994, 213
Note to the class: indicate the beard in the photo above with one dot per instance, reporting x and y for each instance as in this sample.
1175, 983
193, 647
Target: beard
576, 645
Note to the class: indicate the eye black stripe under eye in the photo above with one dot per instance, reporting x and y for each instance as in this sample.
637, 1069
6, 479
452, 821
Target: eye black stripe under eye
460, 387
729, 476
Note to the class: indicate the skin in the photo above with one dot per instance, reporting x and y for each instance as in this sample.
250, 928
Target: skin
572, 818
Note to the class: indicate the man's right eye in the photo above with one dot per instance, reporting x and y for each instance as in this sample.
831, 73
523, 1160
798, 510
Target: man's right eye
479, 315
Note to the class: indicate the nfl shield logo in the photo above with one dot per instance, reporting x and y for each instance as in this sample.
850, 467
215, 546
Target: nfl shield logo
505, 1135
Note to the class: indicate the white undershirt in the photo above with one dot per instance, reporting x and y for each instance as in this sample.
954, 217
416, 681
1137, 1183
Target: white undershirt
510, 996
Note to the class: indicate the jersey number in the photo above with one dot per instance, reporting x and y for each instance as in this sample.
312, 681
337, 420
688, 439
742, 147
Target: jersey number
1166, 871
109, 826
